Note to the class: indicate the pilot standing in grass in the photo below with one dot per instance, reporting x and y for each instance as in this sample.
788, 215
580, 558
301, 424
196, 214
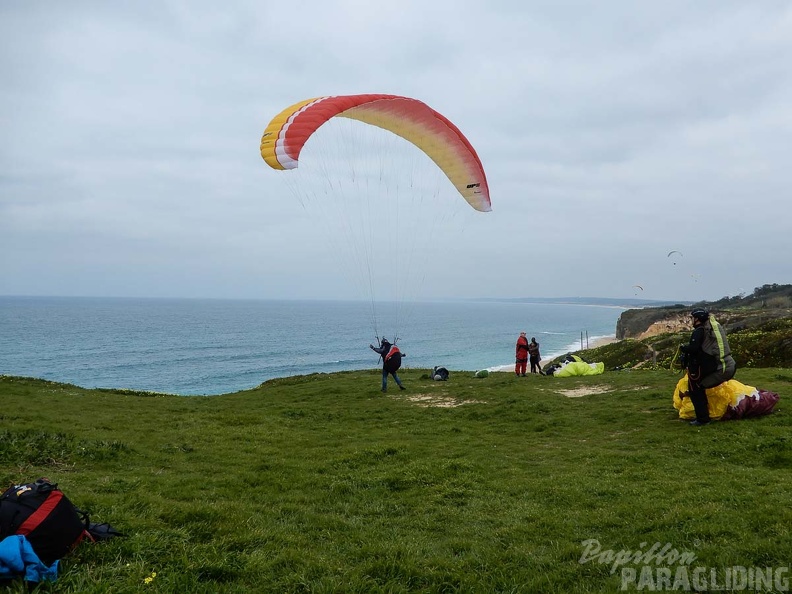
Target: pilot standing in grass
535, 356
708, 360
521, 355
391, 362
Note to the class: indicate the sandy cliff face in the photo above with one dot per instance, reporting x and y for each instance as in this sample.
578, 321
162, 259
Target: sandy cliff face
640, 323
673, 323
766, 303
643, 323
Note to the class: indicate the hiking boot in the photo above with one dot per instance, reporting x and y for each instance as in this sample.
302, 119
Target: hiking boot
384, 390
698, 423
402, 387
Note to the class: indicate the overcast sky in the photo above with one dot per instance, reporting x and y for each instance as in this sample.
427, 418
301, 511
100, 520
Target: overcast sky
611, 133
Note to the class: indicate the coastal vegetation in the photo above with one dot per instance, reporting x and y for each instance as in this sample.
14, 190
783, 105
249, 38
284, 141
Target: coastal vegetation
321, 483
759, 328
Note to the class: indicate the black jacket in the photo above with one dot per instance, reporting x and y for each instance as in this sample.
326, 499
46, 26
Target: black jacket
383, 349
390, 365
708, 351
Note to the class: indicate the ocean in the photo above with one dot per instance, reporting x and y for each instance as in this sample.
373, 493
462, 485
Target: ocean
210, 346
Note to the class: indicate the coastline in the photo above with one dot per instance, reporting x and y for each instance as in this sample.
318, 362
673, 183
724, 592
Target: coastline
595, 342
602, 341
208, 347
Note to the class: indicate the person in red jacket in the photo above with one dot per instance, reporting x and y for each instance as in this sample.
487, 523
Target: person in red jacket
521, 354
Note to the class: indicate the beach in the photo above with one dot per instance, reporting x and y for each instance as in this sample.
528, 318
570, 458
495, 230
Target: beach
593, 344
602, 341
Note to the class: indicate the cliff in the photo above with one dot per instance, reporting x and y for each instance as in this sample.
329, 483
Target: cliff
759, 328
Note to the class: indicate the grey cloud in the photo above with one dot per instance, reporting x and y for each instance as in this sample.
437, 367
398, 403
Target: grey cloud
131, 140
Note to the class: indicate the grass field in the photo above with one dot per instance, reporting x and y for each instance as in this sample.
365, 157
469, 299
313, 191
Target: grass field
321, 483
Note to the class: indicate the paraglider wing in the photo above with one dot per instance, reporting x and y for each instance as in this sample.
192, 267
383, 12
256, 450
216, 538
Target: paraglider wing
730, 400
674, 252
413, 120
639, 287
580, 368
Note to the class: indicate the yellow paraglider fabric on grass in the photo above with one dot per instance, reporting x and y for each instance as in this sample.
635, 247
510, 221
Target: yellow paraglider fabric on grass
719, 398
580, 368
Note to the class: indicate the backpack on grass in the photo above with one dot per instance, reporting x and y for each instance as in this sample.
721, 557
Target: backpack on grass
44, 516
440, 374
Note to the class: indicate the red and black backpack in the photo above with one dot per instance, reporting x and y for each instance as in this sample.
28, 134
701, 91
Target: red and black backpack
44, 516
393, 359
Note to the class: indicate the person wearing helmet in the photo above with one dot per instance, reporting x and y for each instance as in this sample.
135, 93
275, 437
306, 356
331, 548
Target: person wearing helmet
708, 360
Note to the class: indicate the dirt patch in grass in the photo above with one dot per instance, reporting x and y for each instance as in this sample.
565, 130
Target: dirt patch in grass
437, 400
586, 391
591, 390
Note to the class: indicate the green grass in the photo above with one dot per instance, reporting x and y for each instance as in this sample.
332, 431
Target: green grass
320, 483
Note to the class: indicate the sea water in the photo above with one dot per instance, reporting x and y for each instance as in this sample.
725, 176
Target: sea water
205, 347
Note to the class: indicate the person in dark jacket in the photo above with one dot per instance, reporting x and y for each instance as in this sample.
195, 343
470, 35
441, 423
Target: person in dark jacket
708, 360
391, 362
535, 356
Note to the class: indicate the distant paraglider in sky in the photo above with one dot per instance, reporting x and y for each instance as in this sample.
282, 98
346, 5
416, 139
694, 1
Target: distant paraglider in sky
675, 257
637, 287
